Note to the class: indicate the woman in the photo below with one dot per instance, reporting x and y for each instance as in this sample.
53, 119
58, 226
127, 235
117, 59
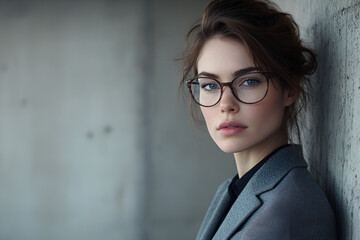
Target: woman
248, 71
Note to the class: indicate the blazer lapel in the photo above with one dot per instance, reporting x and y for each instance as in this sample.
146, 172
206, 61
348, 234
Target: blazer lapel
267, 177
244, 206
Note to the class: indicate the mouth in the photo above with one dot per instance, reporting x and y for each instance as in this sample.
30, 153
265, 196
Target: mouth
231, 124
230, 128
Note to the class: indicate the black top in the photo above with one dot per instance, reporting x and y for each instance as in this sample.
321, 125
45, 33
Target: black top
237, 184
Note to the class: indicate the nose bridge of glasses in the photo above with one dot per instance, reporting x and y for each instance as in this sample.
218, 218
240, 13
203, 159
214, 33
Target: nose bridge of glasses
231, 89
227, 84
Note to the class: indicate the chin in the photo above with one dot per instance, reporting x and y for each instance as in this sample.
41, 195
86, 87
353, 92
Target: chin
231, 148
235, 145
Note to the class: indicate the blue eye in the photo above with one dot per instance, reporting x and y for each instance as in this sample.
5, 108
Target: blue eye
251, 82
209, 86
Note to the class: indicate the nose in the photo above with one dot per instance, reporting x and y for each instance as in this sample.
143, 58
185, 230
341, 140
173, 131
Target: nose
228, 102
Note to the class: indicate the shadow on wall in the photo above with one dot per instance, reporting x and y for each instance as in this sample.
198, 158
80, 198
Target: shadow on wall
334, 114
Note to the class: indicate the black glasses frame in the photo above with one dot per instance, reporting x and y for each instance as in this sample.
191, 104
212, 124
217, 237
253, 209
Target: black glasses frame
267, 75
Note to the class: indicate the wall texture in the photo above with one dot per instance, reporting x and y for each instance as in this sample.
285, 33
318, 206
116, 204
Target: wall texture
68, 78
331, 127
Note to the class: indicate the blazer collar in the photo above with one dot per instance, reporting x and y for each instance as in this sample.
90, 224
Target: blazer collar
265, 179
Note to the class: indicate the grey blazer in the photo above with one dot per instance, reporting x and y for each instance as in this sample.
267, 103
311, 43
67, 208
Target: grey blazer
280, 202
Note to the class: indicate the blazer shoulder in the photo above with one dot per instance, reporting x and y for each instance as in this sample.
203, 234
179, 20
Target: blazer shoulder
214, 213
303, 204
301, 189
220, 194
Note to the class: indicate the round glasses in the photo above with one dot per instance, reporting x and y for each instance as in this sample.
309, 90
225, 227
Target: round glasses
250, 87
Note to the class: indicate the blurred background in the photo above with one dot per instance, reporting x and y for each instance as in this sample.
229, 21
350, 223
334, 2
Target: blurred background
96, 142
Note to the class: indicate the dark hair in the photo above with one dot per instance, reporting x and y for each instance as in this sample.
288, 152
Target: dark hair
271, 37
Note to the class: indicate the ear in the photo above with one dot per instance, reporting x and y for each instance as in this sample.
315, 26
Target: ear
290, 96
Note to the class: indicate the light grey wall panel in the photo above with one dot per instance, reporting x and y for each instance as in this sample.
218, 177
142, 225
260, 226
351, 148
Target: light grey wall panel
69, 162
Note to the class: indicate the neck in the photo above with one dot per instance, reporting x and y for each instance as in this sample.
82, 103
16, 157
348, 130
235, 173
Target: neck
247, 159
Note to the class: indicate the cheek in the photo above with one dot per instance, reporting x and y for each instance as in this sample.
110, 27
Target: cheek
208, 114
269, 112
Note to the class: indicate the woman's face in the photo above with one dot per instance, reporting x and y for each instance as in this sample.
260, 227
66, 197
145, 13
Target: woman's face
233, 125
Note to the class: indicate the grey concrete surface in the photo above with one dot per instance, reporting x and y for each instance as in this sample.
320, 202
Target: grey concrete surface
331, 127
69, 163
95, 142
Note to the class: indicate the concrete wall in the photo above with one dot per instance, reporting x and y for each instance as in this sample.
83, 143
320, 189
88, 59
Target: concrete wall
68, 79
331, 130
95, 142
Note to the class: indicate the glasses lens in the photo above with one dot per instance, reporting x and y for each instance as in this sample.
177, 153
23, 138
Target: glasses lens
250, 88
206, 91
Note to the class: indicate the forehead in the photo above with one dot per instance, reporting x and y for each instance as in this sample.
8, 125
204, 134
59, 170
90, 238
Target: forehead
222, 56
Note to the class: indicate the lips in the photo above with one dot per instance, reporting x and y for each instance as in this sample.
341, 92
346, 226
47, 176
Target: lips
230, 128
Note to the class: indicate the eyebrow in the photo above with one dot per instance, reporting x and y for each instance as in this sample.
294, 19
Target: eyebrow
236, 73
245, 70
